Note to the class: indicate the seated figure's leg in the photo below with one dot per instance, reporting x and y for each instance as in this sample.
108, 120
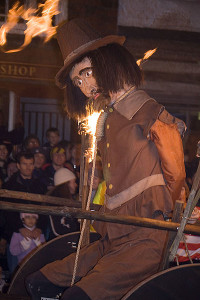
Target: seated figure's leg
60, 272
55, 277
124, 265
38, 286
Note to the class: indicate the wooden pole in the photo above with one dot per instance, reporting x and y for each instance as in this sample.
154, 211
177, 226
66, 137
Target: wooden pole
177, 214
44, 199
80, 214
86, 234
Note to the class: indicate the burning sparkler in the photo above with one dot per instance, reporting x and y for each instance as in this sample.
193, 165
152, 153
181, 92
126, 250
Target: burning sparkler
88, 126
36, 25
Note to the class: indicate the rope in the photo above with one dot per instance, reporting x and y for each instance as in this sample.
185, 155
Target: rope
84, 222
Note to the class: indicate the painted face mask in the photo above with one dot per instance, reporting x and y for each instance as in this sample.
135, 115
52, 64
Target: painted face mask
82, 77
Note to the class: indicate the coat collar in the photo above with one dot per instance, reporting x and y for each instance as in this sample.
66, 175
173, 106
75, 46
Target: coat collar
132, 103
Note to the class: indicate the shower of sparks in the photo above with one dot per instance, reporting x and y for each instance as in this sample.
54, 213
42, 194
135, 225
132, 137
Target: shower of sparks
38, 21
88, 126
146, 56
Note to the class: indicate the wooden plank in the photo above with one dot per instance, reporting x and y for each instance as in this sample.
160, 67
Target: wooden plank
43, 199
105, 217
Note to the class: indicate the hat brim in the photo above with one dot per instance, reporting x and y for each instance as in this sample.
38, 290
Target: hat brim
93, 45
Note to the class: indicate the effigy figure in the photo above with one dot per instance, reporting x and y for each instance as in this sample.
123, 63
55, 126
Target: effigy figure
143, 164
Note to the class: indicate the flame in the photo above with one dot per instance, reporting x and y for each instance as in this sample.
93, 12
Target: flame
146, 56
36, 25
91, 124
88, 126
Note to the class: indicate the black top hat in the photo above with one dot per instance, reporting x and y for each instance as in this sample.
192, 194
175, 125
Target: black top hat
76, 38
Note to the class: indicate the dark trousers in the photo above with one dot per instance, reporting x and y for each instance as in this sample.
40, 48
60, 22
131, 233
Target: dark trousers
38, 286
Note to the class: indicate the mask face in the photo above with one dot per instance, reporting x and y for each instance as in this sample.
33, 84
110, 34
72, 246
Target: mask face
82, 77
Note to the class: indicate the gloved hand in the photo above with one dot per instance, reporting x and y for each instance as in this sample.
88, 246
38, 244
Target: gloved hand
36, 233
26, 232
37, 241
26, 242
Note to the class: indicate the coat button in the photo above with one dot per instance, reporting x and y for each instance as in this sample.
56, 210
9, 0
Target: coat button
108, 126
108, 145
110, 186
108, 165
110, 109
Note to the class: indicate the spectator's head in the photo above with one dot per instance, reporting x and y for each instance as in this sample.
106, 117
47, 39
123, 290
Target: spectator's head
68, 148
28, 219
25, 164
58, 157
97, 179
53, 136
76, 154
39, 157
31, 141
65, 177
5, 150
11, 168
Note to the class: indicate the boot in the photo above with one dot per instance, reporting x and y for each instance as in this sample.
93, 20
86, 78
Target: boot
38, 286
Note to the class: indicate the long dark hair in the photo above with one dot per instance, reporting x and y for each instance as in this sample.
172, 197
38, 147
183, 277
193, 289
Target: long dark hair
113, 66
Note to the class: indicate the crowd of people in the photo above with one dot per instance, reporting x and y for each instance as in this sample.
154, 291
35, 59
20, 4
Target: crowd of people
50, 169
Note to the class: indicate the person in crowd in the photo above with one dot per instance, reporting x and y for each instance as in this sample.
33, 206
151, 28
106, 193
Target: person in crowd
5, 150
143, 163
22, 181
76, 157
40, 157
98, 187
53, 138
65, 187
11, 169
58, 157
21, 246
68, 150
31, 142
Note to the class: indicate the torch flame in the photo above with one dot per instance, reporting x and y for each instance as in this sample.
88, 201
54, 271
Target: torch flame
36, 25
146, 56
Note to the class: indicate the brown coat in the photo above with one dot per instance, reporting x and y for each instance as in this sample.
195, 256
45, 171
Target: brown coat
127, 254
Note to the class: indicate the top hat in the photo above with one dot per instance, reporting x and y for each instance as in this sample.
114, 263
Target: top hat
76, 38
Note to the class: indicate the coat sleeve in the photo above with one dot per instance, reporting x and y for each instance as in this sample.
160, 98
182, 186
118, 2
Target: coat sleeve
15, 246
165, 133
